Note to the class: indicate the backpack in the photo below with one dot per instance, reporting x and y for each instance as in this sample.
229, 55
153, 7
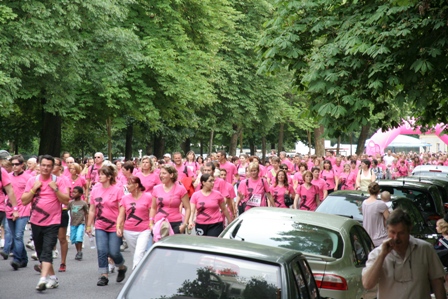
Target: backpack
53, 178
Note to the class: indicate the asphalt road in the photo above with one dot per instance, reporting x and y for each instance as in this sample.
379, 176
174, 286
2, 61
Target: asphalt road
79, 281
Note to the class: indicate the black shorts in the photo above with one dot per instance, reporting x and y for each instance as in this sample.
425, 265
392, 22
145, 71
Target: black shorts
176, 226
211, 230
45, 238
64, 218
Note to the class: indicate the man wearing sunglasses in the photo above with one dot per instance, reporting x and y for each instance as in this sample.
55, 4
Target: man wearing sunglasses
404, 267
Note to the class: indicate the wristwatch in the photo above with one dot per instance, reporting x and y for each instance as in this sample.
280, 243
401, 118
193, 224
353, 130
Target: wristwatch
56, 190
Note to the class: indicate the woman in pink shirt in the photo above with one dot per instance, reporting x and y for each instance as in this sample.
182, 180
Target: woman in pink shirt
76, 179
168, 199
280, 189
241, 167
148, 176
104, 207
192, 164
298, 176
347, 179
133, 218
206, 205
329, 176
307, 195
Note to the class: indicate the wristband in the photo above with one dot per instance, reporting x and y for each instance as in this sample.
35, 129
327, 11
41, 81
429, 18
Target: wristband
15, 209
32, 191
88, 228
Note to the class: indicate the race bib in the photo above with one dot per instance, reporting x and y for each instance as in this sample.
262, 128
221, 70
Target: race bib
255, 200
242, 171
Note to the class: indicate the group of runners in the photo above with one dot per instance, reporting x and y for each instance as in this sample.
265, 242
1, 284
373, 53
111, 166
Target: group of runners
131, 200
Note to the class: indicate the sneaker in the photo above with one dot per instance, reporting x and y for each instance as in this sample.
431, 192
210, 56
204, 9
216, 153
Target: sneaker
4, 255
52, 283
103, 281
55, 254
2, 243
62, 268
121, 274
111, 268
124, 246
78, 256
15, 265
11, 254
30, 245
42, 284
34, 256
38, 268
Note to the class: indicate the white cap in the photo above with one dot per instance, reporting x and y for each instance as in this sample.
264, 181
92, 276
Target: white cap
167, 155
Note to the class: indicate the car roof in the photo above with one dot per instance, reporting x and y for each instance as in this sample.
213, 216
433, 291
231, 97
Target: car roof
229, 247
431, 167
333, 222
395, 183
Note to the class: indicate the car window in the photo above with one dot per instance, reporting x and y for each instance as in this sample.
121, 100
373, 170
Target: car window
413, 212
290, 234
360, 246
422, 199
341, 205
169, 273
309, 279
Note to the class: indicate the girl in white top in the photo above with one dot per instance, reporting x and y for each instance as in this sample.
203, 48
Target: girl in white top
365, 176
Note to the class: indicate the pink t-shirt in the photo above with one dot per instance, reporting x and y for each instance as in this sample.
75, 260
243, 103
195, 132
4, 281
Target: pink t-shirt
307, 197
220, 185
106, 201
347, 181
92, 174
241, 169
288, 163
231, 170
208, 207
79, 182
338, 169
278, 193
193, 167
46, 207
298, 177
168, 203
18, 185
149, 181
253, 192
5, 181
137, 212
329, 177
181, 169
320, 184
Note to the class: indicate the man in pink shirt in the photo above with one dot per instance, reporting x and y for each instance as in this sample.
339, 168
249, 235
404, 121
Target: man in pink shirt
338, 167
286, 161
46, 192
182, 170
68, 162
92, 173
229, 167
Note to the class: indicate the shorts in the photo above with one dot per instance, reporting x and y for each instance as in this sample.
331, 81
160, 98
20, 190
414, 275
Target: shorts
77, 233
211, 230
45, 239
64, 218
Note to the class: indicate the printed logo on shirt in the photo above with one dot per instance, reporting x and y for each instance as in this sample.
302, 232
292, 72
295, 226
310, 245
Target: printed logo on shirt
99, 213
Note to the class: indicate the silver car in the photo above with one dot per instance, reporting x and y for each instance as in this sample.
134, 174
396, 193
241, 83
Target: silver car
336, 247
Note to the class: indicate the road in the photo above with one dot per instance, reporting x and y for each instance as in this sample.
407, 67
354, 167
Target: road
79, 281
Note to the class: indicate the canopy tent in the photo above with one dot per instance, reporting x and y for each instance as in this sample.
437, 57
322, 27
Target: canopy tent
405, 141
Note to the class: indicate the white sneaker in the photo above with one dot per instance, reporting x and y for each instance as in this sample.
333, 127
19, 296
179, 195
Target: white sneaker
34, 256
55, 254
42, 284
30, 245
2, 243
52, 283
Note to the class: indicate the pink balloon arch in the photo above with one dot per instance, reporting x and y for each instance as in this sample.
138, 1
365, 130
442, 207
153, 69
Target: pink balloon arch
380, 140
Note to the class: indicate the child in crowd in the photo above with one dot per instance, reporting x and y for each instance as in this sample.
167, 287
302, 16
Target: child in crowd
385, 196
78, 215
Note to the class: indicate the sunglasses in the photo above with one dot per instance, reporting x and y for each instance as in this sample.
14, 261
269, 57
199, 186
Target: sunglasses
16, 164
97, 157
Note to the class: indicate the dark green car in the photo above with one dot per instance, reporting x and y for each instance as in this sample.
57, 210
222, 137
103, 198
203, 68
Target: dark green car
184, 266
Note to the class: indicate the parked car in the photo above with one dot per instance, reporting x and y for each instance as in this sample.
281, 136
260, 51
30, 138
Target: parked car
430, 170
348, 204
427, 197
336, 247
183, 266
440, 182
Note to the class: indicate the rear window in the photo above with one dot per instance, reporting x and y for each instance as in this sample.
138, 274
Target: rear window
340, 205
434, 173
169, 273
290, 234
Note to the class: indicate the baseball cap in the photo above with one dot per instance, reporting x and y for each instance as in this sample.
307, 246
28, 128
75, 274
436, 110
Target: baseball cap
167, 155
4, 155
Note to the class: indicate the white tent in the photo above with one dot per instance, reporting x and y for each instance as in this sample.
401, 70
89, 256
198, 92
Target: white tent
407, 141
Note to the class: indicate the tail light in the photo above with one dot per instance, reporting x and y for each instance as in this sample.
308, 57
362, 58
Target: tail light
330, 282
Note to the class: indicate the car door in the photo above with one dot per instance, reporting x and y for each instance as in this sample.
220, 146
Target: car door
304, 283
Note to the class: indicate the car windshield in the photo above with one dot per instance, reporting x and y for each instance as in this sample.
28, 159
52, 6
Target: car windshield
291, 234
341, 205
430, 173
171, 273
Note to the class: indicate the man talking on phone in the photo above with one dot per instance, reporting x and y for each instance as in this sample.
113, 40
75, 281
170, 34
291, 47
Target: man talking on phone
404, 267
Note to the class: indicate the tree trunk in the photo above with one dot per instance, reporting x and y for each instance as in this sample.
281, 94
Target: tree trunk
50, 136
252, 146
338, 147
159, 146
234, 139
210, 143
362, 139
128, 146
280, 138
241, 142
109, 137
319, 141
263, 149
185, 146
201, 148
309, 142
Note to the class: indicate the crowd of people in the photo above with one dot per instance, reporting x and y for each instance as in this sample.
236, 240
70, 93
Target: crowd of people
132, 201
